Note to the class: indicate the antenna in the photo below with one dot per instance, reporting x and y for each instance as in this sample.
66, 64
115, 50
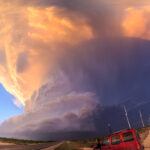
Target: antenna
110, 129
126, 114
141, 116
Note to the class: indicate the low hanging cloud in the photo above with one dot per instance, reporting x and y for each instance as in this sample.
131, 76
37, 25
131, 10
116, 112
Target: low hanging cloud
66, 113
64, 60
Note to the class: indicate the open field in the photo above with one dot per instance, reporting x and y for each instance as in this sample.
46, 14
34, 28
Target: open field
15, 144
85, 144
25, 147
21, 141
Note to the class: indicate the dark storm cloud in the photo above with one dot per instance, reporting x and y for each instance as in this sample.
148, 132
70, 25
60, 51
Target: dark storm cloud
115, 69
78, 79
69, 113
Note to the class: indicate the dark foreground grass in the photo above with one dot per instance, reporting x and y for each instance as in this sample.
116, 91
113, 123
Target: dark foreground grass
141, 130
21, 141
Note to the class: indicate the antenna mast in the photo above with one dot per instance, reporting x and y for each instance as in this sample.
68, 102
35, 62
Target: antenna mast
141, 116
126, 114
110, 129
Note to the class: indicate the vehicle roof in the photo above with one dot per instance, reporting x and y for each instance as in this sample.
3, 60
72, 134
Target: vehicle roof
122, 131
119, 132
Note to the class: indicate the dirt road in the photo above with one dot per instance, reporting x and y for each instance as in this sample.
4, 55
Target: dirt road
52, 147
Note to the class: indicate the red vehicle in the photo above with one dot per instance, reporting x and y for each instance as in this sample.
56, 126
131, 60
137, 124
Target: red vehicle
123, 140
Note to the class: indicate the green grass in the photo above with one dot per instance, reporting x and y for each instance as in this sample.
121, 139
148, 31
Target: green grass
21, 141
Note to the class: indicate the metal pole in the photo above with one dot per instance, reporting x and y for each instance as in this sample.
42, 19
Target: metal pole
126, 114
141, 119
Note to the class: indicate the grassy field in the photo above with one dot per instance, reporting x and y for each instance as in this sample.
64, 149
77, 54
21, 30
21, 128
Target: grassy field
70, 145
21, 141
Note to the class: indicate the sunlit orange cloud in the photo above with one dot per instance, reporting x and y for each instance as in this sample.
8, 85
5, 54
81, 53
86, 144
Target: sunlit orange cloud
135, 2
137, 23
50, 27
36, 35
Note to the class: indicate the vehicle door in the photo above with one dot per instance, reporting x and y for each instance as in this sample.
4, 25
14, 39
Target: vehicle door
116, 142
129, 141
106, 144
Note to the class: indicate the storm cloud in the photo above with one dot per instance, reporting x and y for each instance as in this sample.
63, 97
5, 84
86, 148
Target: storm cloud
66, 61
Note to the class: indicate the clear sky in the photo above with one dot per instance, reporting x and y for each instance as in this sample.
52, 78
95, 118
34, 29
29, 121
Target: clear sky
7, 107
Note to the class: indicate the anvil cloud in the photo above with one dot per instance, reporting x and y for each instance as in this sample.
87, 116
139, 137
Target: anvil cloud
63, 60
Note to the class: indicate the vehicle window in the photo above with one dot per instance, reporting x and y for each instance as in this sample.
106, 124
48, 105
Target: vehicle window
128, 137
105, 142
115, 140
